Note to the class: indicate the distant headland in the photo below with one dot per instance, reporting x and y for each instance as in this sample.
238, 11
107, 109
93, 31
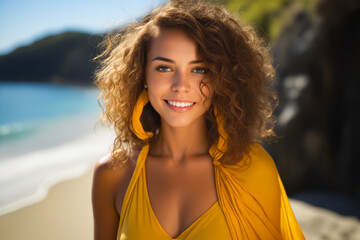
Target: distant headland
64, 58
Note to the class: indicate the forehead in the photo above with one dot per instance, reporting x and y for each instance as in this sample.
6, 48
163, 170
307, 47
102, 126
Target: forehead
172, 41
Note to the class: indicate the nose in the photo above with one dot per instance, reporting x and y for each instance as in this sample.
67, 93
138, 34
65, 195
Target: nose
180, 82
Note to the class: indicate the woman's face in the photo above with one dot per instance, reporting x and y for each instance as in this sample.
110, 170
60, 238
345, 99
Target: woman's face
174, 71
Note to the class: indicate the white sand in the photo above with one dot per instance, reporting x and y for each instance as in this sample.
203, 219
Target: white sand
65, 214
26, 179
65, 211
318, 223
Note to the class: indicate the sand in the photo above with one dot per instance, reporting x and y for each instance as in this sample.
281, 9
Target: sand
26, 179
320, 224
65, 214
66, 211
46, 194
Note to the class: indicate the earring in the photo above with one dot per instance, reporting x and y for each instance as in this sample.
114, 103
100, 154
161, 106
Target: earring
135, 124
145, 86
218, 151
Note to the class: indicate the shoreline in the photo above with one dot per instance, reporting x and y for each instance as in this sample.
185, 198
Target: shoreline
66, 213
26, 179
42, 134
47, 194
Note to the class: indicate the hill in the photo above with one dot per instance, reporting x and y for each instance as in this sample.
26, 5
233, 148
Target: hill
63, 58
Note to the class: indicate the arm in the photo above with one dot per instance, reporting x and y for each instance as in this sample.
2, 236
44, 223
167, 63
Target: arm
106, 217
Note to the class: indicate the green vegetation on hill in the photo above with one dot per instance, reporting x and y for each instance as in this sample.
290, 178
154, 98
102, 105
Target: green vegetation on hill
63, 58
66, 58
269, 16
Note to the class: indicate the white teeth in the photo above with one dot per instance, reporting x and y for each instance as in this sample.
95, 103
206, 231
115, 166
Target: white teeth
180, 104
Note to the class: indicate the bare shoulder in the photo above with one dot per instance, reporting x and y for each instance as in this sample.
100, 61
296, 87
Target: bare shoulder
109, 186
106, 169
106, 174
112, 180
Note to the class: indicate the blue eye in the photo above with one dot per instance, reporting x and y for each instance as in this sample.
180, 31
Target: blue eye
163, 69
199, 70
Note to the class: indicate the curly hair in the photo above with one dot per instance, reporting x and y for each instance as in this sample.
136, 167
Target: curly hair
240, 71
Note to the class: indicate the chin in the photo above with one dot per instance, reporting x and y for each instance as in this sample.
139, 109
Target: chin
178, 124
181, 122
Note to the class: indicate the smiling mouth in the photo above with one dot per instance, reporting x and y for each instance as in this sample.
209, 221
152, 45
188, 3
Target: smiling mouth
180, 104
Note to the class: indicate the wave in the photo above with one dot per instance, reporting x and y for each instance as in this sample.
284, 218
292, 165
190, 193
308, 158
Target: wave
13, 131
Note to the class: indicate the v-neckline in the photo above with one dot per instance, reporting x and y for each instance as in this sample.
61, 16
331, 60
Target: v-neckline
153, 215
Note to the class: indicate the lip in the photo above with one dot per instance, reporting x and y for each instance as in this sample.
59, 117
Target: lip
177, 100
179, 109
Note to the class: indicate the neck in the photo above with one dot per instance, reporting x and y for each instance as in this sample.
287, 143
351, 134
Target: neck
179, 143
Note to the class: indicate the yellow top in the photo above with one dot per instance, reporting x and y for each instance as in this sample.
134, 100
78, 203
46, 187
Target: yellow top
138, 221
249, 193
252, 202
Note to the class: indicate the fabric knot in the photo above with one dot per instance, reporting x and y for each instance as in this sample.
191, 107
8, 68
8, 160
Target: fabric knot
136, 125
216, 162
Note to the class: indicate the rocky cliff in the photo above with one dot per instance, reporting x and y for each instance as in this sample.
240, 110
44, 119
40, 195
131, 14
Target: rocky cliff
318, 64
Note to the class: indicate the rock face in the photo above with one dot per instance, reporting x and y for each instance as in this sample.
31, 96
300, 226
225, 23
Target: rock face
318, 65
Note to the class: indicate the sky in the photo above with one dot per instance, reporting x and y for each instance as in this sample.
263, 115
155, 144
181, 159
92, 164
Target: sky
24, 21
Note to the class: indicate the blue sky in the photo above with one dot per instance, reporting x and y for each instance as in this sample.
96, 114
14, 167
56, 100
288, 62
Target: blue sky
25, 21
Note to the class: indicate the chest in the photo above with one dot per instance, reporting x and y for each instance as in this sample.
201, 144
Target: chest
180, 194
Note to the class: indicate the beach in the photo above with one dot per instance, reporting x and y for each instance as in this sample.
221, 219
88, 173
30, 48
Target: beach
61, 207
46, 193
66, 214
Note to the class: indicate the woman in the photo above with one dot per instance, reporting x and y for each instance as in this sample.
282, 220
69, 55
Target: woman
187, 90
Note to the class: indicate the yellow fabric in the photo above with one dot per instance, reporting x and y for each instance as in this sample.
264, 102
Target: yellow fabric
136, 125
138, 221
251, 198
251, 195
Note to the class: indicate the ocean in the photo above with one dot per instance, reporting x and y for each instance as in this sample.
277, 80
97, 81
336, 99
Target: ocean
48, 133
31, 115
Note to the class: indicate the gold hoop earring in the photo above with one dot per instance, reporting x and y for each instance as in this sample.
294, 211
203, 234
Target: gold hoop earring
218, 151
135, 124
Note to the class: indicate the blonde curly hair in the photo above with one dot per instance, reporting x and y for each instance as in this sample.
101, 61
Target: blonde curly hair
240, 71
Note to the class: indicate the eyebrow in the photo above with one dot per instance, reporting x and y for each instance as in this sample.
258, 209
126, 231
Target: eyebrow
172, 61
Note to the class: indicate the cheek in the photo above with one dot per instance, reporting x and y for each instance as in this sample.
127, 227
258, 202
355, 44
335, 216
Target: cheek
157, 89
156, 81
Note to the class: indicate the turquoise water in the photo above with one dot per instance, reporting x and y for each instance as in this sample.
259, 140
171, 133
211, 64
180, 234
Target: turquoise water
47, 134
26, 107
